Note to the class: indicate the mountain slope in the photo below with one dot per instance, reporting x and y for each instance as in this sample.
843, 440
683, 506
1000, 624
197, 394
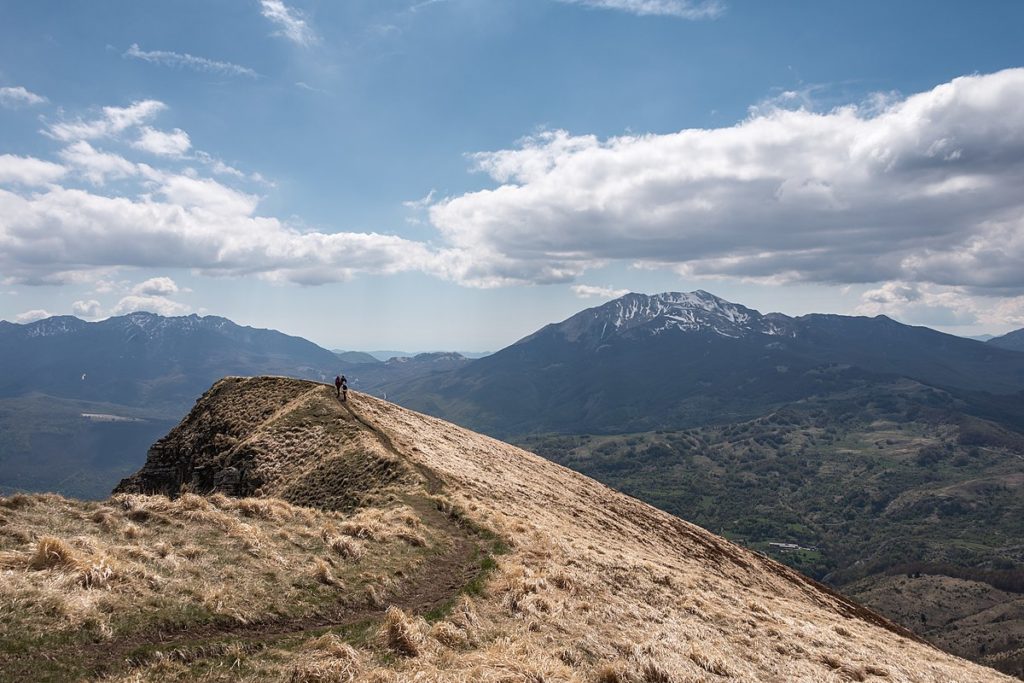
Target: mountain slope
1013, 341
675, 360
580, 583
355, 357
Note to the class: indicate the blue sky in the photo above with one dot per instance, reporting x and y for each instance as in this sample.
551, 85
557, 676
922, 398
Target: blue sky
455, 173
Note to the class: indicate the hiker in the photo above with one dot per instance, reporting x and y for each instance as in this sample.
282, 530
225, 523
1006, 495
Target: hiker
344, 389
338, 381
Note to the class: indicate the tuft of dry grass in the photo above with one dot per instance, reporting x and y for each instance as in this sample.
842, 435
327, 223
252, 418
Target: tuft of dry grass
449, 634
399, 634
327, 659
53, 553
322, 573
348, 548
17, 501
614, 672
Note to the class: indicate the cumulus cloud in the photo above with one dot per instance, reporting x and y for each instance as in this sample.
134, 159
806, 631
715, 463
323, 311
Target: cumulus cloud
199, 224
928, 304
683, 9
173, 144
96, 166
88, 309
290, 22
168, 219
924, 188
160, 305
32, 316
156, 286
17, 96
29, 170
589, 291
113, 121
187, 61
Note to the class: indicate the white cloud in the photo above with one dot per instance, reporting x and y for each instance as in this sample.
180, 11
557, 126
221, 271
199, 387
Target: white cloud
219, 167
187, 61
683, 9
922, 189
103, 286
32, 316
290, 22
96, 166
48, 237
173, 144
114, 120
88, 309
935, 305
310, 88
421, 203
207, 195
29, 170
18, 96
588, 291
171, 219
160, 305
156, 286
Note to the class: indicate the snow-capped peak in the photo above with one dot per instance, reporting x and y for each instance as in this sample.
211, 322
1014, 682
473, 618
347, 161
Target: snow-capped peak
683, 311
54, 326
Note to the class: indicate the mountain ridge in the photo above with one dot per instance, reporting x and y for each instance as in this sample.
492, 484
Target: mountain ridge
1013, 341
671, 360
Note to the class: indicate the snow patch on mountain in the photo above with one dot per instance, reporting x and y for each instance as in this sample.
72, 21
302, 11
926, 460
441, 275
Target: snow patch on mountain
672, 311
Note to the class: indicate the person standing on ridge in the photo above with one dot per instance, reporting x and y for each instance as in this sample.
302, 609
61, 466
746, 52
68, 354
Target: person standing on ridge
344, 389
337, 384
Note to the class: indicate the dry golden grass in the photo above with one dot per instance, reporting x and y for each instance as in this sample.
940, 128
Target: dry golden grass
598, 582
74, 573
594, 586
400, 634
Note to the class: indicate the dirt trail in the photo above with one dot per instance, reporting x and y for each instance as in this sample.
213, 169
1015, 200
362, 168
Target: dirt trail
438, 581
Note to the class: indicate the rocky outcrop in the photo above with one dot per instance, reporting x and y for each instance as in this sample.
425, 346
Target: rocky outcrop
210, 450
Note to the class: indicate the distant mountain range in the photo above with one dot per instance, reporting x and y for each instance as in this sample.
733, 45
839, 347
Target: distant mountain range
356, 357
378, 377
147, 360
1014, 341
676, 360
383, 356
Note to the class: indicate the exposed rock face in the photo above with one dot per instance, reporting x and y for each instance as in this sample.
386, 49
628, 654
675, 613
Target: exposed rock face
205, 452
268, 436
